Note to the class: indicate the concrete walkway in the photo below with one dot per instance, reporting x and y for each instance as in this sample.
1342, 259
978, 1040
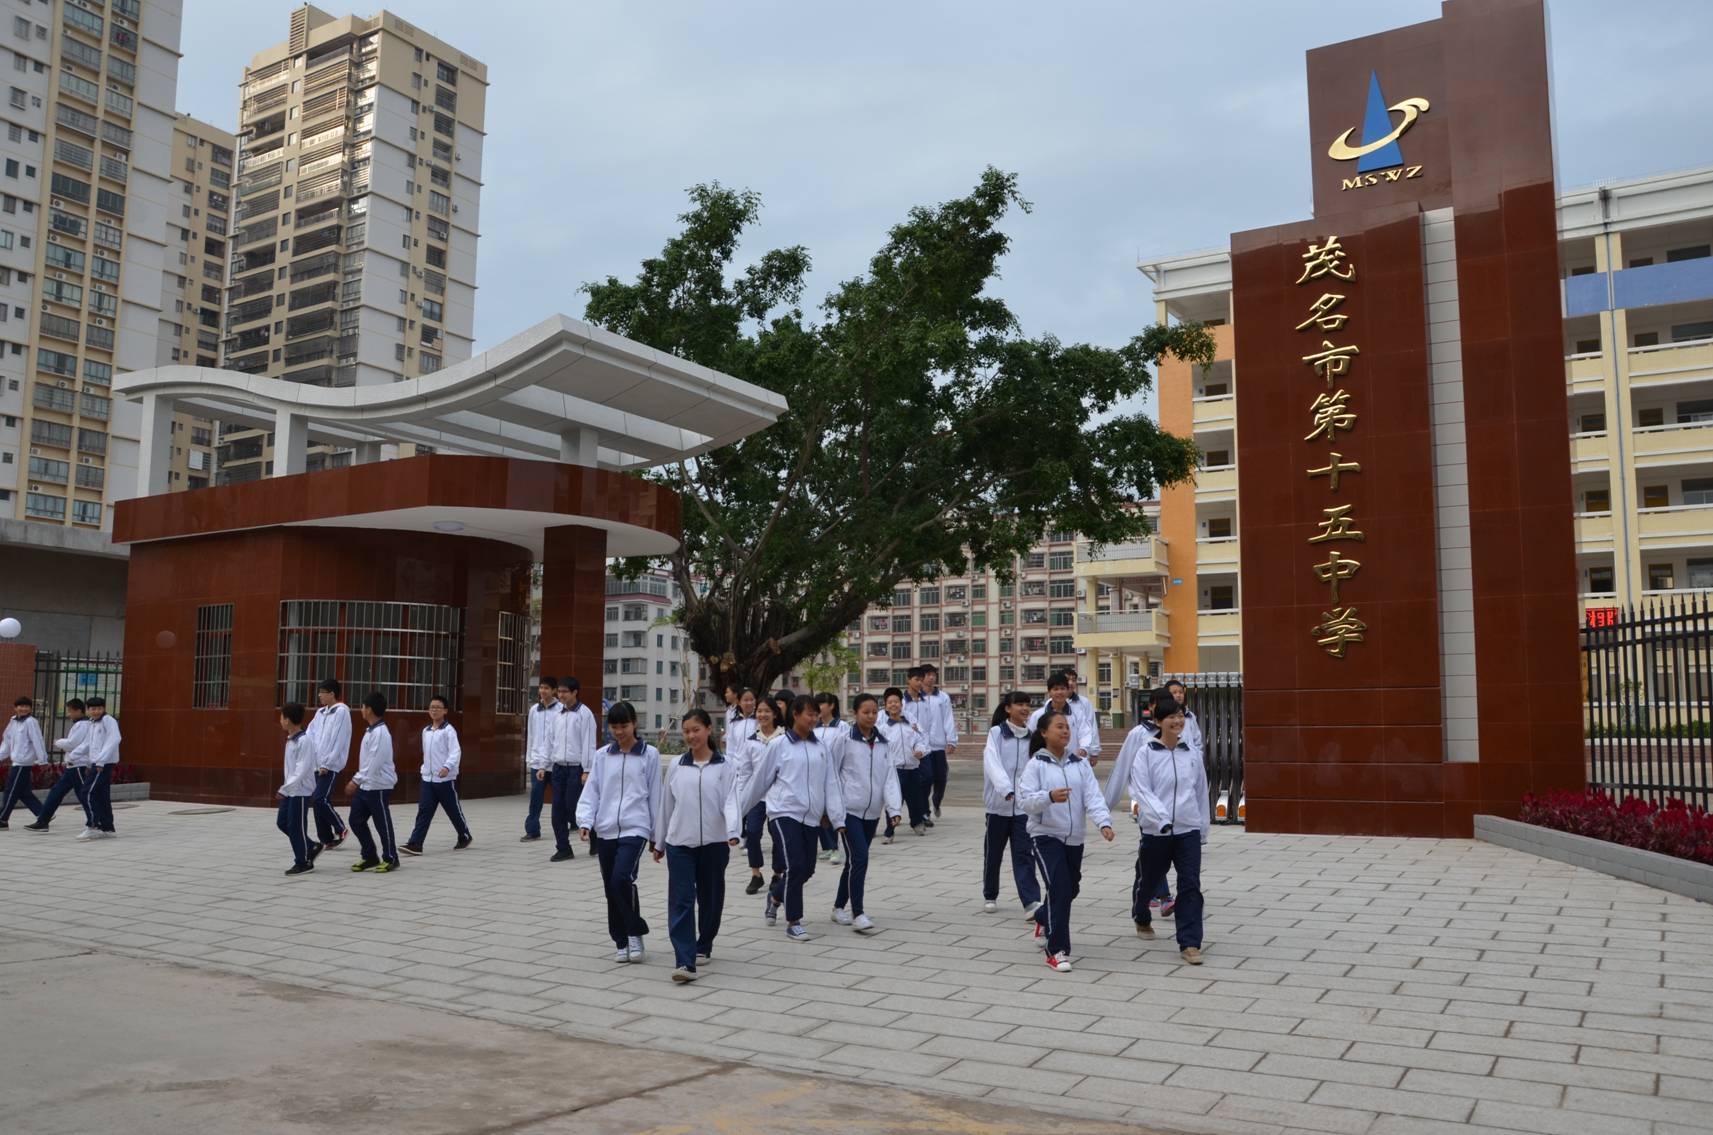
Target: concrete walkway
1351, 985
160, 1049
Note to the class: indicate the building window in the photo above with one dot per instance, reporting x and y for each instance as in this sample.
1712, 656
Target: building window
901, 624
900, 651
409, 652
211, 684
929, 597
511, 693
1059, 561
1035, 560
901, 597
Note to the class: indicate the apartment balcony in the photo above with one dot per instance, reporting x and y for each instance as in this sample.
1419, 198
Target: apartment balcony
1590, 453
1680, 526
1219, 628
1123, 630
238, 316
315, 266
1671, 362
249, 340
1585, 373
1214, 413
314, 295
1594, 532
1216, 483
311, 351
317, 240
1134, 559
1681, 443
1218, 554
263, 229
309, 324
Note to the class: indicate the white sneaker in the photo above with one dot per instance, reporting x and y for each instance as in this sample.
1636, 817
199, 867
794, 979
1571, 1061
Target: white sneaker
1029, 910
105, 835
920, 829
990, 906
682, 975
87, 833
636, 951
841, 916
888, 839
796, 933
1060, 962
863, 924
836, 858
824, 855
622, 954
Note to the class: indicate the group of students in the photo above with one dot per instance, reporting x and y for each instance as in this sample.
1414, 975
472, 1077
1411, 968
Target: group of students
318, 749
1040, 792
791, 767
86, 756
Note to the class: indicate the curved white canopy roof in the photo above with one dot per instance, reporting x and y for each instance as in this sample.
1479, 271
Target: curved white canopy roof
561, 391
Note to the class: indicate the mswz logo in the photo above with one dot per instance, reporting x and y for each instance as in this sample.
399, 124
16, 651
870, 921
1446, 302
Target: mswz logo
1379, 158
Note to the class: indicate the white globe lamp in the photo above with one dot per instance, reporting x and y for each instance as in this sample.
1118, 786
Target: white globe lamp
10, 628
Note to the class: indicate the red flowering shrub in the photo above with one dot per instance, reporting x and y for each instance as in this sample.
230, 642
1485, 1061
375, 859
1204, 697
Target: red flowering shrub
1674, 829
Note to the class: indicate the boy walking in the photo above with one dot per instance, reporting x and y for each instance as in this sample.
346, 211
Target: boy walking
373, 784
22, 743
299, 786
72, 773
537, 753
330, 733
573, 754
101, 746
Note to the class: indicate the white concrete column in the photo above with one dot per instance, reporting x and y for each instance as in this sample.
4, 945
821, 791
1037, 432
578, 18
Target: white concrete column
154, 445
367, 452
291, 443
578, 446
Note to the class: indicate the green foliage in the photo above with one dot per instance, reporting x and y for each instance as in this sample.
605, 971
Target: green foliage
921, 422
830, 666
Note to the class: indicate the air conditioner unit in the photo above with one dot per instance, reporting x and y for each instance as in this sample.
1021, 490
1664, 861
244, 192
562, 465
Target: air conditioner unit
57, 202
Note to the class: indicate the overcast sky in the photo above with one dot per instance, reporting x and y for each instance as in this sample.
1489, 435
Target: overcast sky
1140, 127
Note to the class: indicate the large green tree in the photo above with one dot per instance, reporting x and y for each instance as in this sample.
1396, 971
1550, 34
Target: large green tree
923, 424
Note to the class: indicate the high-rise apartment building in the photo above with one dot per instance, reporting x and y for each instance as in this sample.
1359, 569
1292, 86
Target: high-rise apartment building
988, 636
647, 661
1636, 258
354, 239
84, 259
203, 167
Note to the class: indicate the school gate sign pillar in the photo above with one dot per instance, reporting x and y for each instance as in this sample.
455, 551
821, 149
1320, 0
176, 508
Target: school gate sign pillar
1404, 465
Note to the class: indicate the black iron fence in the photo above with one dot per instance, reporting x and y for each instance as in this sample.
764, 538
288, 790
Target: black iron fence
1217, 701
1647, 689
61, 677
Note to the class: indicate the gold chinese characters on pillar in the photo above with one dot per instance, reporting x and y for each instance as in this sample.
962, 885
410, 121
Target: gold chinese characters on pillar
1327, 266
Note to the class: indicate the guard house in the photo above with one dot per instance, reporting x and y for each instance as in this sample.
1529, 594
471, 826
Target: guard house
409, 576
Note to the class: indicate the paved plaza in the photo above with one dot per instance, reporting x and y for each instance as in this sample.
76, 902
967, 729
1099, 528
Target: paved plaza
1352, 985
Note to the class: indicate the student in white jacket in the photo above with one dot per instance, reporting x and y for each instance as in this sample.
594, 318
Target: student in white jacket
800, 782
538, 752
1168, 787
376, 777
24, 746
695, 834
74, 773
330, 732
908, 749
100, 750
763, 725
295, 792
1003, 762
618, 814
1059, 698
441, 756
1057, 789
868, 781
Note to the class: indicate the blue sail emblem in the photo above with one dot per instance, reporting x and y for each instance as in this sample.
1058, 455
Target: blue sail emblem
1376, 126
1380, 134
